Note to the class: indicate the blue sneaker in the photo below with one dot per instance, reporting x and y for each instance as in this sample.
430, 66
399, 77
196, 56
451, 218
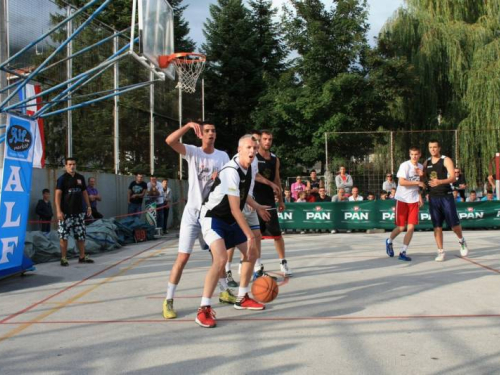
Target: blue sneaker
388, 248
403, 256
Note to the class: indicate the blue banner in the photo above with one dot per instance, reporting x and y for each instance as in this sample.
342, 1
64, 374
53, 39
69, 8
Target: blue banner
15, 192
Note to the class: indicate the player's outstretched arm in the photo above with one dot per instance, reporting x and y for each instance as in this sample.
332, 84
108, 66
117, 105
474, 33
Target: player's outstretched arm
174, 139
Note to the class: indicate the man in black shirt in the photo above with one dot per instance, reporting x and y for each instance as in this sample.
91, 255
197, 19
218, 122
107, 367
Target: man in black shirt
136, 191
322, 196
71, 192
44, 211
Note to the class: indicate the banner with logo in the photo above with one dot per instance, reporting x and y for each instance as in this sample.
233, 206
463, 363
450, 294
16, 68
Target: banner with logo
378, 215
15, 192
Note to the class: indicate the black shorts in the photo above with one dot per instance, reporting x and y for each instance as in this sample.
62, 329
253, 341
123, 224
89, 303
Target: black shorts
443, 209
271, 229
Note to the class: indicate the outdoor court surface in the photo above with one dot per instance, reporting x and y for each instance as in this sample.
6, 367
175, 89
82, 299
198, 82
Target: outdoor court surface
348, 309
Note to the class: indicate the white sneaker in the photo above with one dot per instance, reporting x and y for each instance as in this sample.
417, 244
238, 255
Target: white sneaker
464, 250
287, 272
333, 231
440, 256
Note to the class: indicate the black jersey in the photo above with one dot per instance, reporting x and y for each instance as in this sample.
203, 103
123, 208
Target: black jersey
437, 171
264, 194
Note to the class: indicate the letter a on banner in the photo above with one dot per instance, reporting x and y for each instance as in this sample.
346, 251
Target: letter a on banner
15, 192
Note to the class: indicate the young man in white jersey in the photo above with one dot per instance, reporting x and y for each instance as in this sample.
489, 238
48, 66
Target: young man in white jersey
224, 226
408, 202
203, 165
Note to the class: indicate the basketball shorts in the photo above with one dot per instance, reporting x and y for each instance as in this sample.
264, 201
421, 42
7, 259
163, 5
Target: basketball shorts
190, 231
251, 217
406, 213
75, 223
443, 209
214, 229
271, 229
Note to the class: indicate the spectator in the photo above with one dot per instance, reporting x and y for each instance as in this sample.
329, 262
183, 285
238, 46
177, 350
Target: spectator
343, 180
457, 196
313, 183
44, 211
383, 195
154, 194
136, 191
94, 197
340, 197
309, 197
323, 197
388, 184
459, 184
302, 197
490, 197
288, 196
167, 201
492, 182
297, 187
71, 191
370, 197
392, 194
472, 197
355, 197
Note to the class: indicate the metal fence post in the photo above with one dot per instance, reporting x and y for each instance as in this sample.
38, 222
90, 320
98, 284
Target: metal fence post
4, 55
69, 75
116, 84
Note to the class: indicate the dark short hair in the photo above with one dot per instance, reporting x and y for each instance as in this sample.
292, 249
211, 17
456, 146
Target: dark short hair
69, 159
90, 178
266, 131
383, 192
472, 191
207, 122
255, 131
152, 176
165, 179
45, 191
370, 193
489, 191
139, 173
435, 141
313, 170
414, 148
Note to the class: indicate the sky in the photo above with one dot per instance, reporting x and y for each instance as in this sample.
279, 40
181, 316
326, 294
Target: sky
379, 11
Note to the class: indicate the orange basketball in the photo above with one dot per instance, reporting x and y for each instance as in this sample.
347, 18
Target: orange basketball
265, 289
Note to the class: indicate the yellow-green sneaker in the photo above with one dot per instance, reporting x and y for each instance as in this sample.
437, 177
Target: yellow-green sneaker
227, 296
168, 309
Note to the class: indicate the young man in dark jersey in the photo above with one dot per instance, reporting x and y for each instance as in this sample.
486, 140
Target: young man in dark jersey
269, 168
439, 172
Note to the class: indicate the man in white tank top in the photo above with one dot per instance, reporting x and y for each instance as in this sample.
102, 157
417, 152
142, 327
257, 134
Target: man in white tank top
203, 165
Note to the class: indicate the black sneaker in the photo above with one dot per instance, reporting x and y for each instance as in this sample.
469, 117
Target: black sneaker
64, 262
85, 259
230, 281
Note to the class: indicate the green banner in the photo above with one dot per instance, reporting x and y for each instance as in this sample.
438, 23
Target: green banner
378, 214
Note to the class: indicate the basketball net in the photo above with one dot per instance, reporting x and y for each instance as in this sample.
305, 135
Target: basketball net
188, 67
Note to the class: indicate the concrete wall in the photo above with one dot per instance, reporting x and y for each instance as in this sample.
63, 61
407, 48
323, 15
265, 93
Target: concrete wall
112, 188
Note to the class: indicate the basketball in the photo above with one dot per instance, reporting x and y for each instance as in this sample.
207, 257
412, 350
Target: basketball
265, 289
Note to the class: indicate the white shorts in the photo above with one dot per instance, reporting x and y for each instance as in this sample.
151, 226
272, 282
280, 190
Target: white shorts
190, 231
251, 217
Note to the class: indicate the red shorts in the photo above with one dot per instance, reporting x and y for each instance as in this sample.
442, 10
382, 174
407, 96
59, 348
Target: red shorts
406, 213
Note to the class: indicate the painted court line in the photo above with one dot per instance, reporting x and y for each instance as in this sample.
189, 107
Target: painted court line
479, 264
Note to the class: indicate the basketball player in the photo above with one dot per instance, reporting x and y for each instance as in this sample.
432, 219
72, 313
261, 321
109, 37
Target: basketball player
269, 168
439, 172
224, 226
203, 165
408, 202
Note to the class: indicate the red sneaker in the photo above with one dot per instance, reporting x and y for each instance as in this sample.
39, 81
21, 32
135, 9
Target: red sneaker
246, 303
206, 317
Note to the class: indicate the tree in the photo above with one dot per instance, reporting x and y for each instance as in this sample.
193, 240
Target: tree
182, 42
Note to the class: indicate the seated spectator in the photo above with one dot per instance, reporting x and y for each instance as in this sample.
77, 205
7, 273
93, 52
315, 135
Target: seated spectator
459, 184
355, 197
297, 187
388, 183
472, 197
383, 195
392, 195
310, 198
288, 196
302, 197
343, 180
457, 196
370, 197
490, 197
322, 197
340, 197
44, 211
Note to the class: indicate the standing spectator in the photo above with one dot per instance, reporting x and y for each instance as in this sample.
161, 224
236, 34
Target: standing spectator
297, 187
323, 197
388, 184
313, 184
340, 197
71, 191
383, 195
457, 197
288, 196
136, 191
472, 197
343, 180
44, 211
94, 197
459, 184
370, 197
355, 197
492, 182
490, 197
302, 197
167, 201
154, 194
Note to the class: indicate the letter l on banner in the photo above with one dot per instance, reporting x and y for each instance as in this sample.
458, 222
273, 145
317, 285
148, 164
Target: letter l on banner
15, 191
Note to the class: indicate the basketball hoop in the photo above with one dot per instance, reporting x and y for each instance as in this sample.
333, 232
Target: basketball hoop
188, 66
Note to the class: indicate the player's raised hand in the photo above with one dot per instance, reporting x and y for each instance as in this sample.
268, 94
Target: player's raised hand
196, 127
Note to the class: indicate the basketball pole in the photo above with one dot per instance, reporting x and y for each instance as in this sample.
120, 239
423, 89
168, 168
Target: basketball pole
152, 124
203, 99
116, 113
180, 126
4, 55
497, 170
69, 75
